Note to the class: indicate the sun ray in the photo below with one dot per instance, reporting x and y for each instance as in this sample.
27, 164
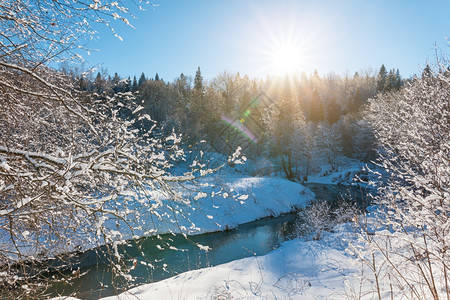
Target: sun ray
286, 44
286, 59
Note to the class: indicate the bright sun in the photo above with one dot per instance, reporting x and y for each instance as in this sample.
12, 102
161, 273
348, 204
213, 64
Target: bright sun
285, 59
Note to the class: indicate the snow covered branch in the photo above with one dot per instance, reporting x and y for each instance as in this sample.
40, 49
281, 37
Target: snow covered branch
407, 236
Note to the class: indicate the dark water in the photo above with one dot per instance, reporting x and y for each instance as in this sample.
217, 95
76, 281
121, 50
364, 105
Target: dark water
254, 238
336, 193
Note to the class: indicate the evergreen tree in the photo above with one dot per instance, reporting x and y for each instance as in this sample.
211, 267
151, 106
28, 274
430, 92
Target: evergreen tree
398, 83
199, 107
198, 81
157, 77
183, 86
390, 81
99, 84
426, 72
183, 89
115, 83
127, 86
134, 86
142, 79
381, 79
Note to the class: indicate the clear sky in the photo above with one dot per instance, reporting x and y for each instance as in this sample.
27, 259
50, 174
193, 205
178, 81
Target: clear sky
259, 37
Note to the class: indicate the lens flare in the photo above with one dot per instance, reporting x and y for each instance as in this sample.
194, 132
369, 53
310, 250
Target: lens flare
244, 130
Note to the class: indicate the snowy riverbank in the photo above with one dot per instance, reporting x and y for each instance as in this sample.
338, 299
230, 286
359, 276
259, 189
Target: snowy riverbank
241, 199
297, 270
300, 269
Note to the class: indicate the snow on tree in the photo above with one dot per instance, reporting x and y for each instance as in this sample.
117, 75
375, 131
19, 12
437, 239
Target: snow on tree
284, 122
406, 240
75, 170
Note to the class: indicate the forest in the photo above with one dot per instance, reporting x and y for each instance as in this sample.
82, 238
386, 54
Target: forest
101, 174
299, 121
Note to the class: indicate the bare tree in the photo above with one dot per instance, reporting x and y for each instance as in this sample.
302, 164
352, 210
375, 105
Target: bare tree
406, 240
75, 170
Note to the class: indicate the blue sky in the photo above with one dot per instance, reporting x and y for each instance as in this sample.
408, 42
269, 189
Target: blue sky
245, 35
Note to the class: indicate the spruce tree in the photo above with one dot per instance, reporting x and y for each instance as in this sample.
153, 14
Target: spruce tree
426, 72
142, 79
99, 84
198, 81
183, 86
116, 83
381, 79
398, 78
390, 81
198, 108
127, 86
134, 86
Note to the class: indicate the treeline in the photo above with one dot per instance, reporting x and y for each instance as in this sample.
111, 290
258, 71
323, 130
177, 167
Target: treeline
302, 122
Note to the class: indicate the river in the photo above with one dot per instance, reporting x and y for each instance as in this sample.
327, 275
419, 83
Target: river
254, 238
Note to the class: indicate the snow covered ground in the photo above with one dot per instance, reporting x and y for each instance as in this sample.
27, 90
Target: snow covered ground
344, 175
297, 270
241, 199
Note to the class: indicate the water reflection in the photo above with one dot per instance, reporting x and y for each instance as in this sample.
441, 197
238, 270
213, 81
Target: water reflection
153, 263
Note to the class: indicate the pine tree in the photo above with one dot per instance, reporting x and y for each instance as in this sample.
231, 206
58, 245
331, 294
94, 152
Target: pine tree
99, 84
390, 81
198, 81
115, 83
127, 86
381, 79
198, 102
426, 72
134, 86
157, 77
398, 77
142, 79
183, 88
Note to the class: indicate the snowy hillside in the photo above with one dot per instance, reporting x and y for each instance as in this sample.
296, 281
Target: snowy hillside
242, 199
